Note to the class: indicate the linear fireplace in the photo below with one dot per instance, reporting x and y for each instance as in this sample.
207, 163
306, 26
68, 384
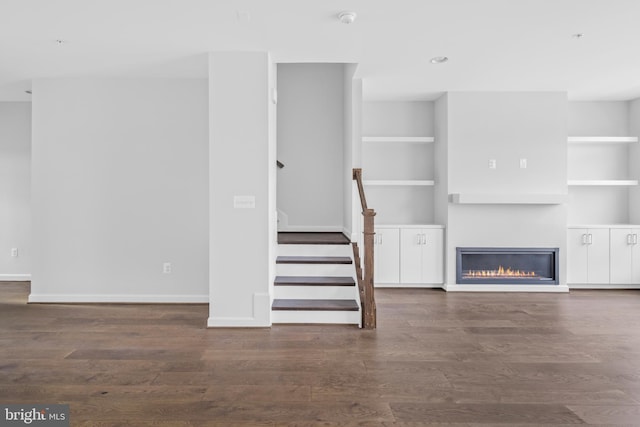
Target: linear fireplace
507, 266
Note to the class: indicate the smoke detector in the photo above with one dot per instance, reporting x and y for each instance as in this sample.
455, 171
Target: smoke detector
347, 17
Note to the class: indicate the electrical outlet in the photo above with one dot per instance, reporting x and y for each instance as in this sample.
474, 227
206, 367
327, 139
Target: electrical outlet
14, 252
523, 163
166, 268
493, 164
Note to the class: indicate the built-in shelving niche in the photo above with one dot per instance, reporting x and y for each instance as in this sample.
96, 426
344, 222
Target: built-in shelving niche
599, 179
398, 174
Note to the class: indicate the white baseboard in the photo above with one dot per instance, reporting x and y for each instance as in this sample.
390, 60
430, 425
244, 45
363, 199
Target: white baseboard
122, 299
604, 286
506, 288
261, 315
15, 277
409, 285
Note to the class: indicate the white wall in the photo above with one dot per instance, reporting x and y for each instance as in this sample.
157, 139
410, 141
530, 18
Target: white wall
119, 187
348, 143
506, 127
593, 118
15, 189
241, 149
310, 144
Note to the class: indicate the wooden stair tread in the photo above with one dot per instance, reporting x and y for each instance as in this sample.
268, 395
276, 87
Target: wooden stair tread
312, 238
315, 304
314, 281
313, 260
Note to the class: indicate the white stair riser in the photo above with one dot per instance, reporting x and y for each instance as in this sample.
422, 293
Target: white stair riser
315, 270
301, 316
315, 292
315, 250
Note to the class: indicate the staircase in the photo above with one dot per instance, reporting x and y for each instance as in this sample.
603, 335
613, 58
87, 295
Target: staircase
315, 280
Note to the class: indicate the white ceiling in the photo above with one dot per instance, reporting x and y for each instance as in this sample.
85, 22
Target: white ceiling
493, 45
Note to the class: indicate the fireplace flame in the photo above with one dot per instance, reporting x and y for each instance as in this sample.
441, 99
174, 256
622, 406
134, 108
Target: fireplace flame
499, 273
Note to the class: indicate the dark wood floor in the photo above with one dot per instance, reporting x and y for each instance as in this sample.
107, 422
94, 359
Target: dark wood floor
435, 359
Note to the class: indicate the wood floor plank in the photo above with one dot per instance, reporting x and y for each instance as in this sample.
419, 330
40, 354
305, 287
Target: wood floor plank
489, 413
436, 359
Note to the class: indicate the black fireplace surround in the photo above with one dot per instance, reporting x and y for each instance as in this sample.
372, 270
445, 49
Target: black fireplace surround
507, 266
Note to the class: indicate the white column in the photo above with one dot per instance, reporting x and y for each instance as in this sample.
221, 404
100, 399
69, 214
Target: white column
241, 199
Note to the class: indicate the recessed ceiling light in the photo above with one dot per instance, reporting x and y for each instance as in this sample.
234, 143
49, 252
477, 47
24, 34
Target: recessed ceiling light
439, 59
578, 35
347, 17
60, 42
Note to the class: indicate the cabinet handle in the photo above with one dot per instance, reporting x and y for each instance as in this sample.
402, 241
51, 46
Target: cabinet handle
590, 239
424, 239
380, 238
584, 239
635, 239
629, 239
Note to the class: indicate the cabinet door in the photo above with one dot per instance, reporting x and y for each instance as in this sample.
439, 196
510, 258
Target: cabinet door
411, 255
577, 255
387, 255
432, 256
621, 246
635, 256
598, 256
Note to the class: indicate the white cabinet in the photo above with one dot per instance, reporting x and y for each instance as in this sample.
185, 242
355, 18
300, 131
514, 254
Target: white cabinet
588, 256
387, 255
421, 252
625, 256
408, 255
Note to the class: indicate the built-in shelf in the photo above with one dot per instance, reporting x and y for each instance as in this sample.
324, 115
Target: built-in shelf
397, 182
383, 225
602, 139
603, 182
507, 199
603, 226
418, 139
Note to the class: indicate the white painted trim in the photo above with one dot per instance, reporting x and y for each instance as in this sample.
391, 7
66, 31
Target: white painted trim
261, 315
348, 233
398, 182
434, 226
393, 139
15, 277
601, 139
312, 228
604, 286
322, 317
508, 199
118, 298
572, 226
602, 182
409, 285
506, 288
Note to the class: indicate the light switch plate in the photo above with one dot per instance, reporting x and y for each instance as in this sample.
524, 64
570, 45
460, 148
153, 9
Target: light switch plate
523, 163
244, 202
493, 164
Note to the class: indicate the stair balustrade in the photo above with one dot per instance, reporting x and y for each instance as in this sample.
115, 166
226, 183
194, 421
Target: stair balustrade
365, 272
